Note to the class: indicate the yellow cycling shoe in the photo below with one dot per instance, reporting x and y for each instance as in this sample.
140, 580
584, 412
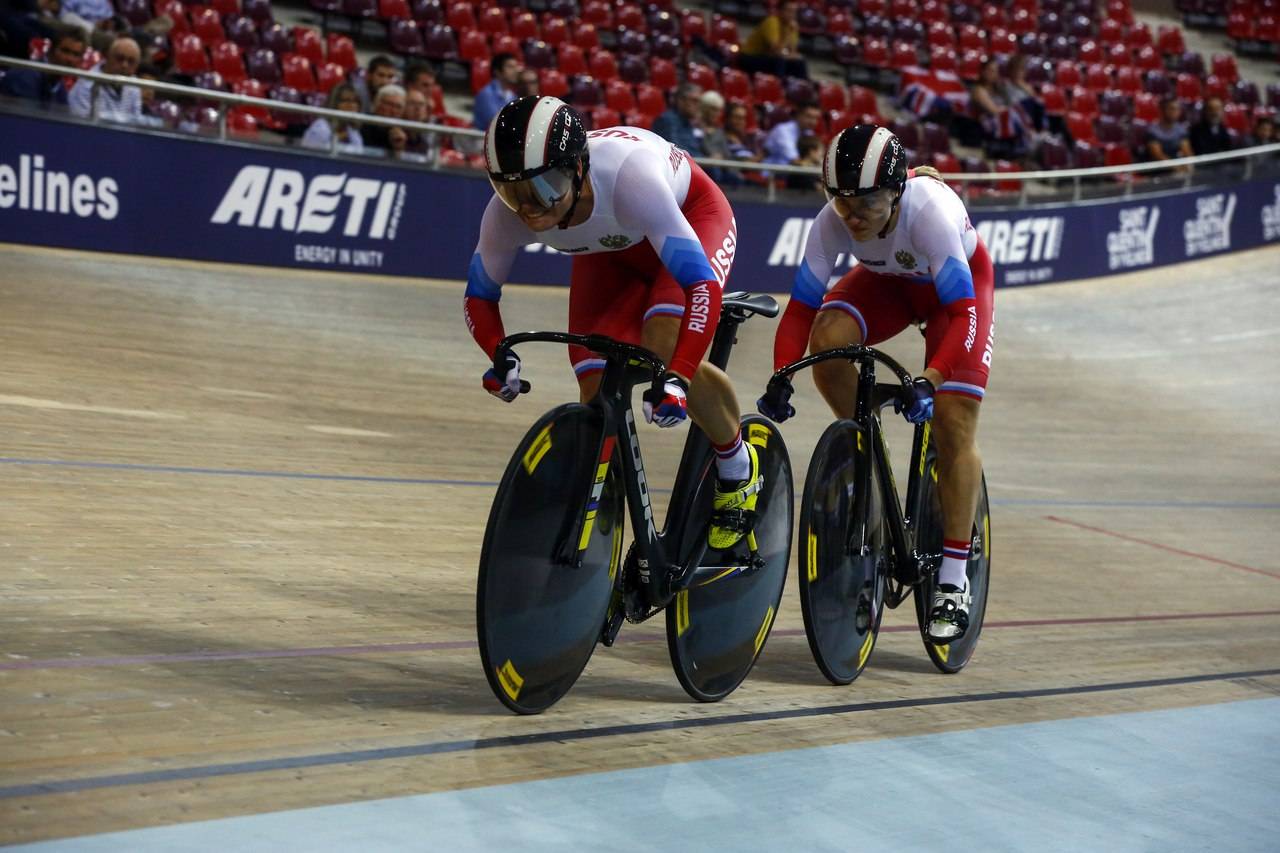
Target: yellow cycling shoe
734, 510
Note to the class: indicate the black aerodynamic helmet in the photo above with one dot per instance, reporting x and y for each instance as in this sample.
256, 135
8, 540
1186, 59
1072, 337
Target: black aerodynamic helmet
532, 150
863, 159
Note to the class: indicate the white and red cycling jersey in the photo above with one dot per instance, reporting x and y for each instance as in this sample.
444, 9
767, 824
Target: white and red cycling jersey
660, 226
932, 267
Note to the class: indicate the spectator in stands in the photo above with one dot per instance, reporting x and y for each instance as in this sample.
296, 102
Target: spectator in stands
106, 101
67, 50
417, 107
1018, 90
504, 73
1264, 131
742, 144
711, 105
1209, 135
324, 131
380, 71
774, 45
86, 14
1006, 127
422, 76
811, 150
528, 84
388, 103
782, 145
1167, 138
680, 123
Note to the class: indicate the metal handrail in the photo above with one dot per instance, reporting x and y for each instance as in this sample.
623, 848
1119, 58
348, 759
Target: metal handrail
740, 165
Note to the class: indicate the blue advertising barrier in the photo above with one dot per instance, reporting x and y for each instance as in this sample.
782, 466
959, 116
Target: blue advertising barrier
89, 187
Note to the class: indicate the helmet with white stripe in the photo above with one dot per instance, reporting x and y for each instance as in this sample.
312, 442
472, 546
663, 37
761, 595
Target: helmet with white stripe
532, 152
863, 159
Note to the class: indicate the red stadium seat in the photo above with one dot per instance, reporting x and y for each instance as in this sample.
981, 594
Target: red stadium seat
586, 37
228, 61
1188, 87
1128, 80
723, 30
295, 71
328, 75
188, 54
618, 96
597, 12
1223, 66
1149, 59
1216, 87
604, 66
1084, 101
1169, 40
480, 74
875, 53
863, 101
1089, 52
941, 34
972, 38
1067, 74
1236, 117
524, 25
507, 43
493, 20
1097, 78
735, 85
943, 59
306, 41
662, 73
903, 55
473, 46
390, 10
461, 17
1139, 36
605, 117
208, 25
1080, 126
342, 51
768, 89
555, 31
1146, 108
970, 65
572, 60
552, 82
630, 18
650, 101
1055, 101
1117, 154
700, 75
241, 123
831, 96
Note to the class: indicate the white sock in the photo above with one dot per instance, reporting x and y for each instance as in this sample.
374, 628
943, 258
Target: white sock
733, 465
955, 563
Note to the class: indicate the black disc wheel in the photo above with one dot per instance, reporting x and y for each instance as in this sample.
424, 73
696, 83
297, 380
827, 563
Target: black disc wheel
550, 552
844, 553
953, 656
717, 627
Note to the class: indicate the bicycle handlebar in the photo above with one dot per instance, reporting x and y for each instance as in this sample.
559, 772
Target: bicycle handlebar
854, 353
596, 343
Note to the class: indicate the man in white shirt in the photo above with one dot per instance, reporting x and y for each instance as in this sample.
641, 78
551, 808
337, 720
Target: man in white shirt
107, 101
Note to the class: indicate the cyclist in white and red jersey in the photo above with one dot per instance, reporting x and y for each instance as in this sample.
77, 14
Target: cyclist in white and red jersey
653, 240
919, 260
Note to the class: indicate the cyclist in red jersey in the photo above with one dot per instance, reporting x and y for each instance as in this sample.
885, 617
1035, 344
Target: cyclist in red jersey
653, 240
919, 259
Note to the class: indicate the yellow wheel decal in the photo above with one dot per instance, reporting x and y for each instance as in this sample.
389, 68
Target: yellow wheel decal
758, 434
865, 651
682, 613
943, 652
764, 629
510, 680
538, 449
813, 556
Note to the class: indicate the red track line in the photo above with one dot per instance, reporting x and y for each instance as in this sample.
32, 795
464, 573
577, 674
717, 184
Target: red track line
1148, 542
396, 648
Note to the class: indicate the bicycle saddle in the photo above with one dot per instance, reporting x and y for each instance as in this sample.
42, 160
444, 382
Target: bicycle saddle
751, 303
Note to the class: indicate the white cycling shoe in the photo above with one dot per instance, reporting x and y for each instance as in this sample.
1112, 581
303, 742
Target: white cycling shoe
949, 615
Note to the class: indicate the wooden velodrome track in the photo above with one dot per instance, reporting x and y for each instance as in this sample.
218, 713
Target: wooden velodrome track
243, 511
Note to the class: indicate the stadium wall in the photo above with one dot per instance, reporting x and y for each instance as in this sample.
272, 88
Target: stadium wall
85, 187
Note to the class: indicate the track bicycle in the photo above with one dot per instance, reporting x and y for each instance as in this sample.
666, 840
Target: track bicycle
861, 549
553, 580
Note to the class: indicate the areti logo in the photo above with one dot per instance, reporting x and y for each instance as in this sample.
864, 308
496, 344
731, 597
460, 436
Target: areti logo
262, 197
32, 186
1020, 241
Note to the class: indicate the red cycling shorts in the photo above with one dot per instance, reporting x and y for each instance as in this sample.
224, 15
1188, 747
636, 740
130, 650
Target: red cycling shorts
884, 305
614, 293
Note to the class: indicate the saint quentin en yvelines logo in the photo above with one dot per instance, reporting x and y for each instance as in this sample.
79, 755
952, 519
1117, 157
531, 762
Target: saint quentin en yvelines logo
905, 259
615, 241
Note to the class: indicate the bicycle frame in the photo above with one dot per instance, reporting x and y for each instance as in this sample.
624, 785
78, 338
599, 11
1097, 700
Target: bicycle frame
663, 570
910, 565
